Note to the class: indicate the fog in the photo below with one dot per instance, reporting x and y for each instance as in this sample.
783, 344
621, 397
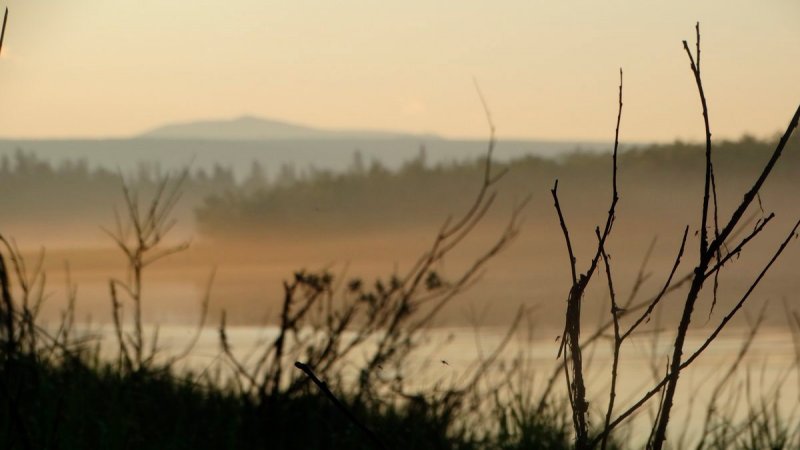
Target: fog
359, 223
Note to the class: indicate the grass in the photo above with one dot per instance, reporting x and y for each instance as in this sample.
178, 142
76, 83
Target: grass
78, 404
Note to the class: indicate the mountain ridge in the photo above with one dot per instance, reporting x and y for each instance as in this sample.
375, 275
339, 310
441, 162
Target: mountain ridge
254, 128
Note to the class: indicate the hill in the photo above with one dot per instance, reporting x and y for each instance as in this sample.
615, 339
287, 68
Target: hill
250, 128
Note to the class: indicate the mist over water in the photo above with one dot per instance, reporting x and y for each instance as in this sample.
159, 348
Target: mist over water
370, 221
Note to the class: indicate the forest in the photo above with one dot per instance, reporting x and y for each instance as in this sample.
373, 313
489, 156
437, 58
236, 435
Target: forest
366, 196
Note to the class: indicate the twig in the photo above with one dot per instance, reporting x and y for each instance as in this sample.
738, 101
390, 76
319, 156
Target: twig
3, 32
342, 408
572, 327
651, 306
649, 394
615, 311
708, 251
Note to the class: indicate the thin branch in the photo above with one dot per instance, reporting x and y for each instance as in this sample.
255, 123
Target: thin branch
615, 311
3, 32
649, 394
203, 315
376, 441
565, 231
738, 249
709, 165
750, 195
651, 306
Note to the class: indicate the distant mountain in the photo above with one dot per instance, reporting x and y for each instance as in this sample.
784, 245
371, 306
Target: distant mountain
249, 128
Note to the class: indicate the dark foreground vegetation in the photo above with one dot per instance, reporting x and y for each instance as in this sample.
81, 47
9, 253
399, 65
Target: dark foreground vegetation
77, 403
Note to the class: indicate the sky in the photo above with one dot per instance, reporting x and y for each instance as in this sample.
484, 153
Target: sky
548, 69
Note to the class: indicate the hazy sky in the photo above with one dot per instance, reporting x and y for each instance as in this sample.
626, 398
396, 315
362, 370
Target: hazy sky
95, 68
